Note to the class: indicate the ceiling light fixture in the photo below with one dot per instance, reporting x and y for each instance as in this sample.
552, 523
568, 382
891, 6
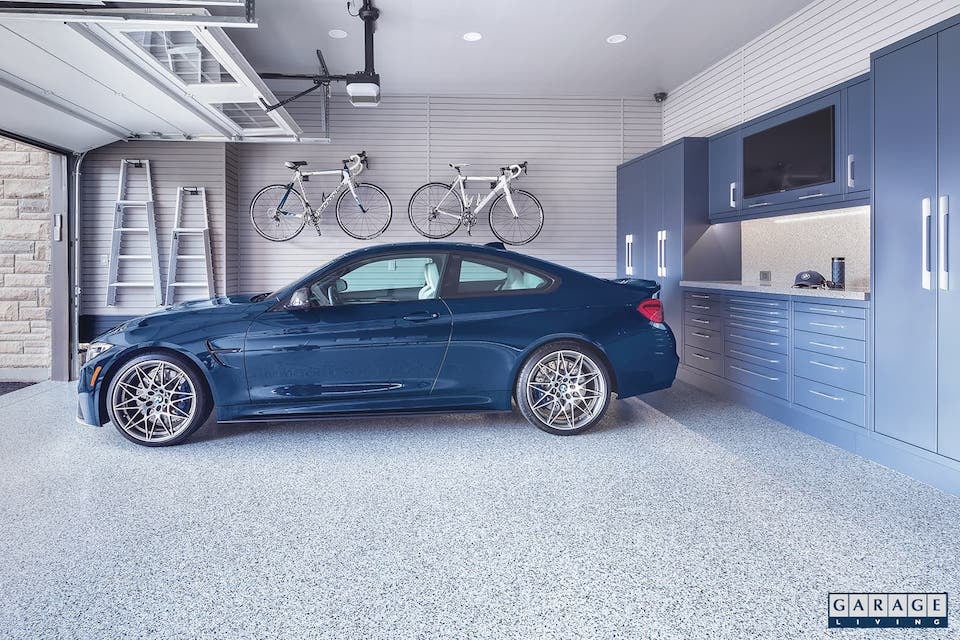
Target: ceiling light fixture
337, 34
472, 36
616, 38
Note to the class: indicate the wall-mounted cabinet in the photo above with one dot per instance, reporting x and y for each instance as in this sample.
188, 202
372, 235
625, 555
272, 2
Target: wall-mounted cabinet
826, 146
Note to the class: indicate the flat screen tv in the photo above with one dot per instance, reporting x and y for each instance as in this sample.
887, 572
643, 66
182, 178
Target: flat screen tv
792, 155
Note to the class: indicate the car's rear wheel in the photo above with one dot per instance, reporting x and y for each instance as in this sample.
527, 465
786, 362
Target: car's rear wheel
563, 388
158, 399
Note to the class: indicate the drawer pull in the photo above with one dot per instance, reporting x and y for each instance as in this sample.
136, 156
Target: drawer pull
697, 355
700, 306
827, 366
764, 311
699, 295
757, 204
750, 355
758, 302
811, 195
828, 326
754, 373
824, 395
772, 344
825, 346
699, 335
819, 310
733, 315
699, 321
751, 328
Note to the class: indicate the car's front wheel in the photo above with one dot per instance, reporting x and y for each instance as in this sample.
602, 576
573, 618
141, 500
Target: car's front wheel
158, 399
563, 388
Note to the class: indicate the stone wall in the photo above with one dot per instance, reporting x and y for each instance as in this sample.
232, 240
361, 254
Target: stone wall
24, 261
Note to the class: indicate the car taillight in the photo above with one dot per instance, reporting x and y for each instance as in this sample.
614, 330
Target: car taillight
651, 309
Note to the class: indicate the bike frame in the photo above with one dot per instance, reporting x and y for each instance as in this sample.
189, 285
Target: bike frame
347, 175
502, 184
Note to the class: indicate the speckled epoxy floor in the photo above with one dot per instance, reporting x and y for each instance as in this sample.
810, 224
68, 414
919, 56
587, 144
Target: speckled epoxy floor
713, 522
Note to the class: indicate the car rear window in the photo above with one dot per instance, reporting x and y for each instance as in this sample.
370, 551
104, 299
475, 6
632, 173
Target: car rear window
485, 277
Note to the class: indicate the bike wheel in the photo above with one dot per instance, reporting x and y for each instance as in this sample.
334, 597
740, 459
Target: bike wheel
523, 227
272, 222
367, 222
424, 215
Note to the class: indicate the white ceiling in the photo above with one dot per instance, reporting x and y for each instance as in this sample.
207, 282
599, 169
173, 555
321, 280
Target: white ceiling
529, 47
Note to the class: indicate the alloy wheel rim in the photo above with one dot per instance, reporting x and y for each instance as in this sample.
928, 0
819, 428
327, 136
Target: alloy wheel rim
566, 390
153, 401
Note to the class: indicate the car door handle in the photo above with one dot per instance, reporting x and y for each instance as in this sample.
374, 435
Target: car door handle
421, 317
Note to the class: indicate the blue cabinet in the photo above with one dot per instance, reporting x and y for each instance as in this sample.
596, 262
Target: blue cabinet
724, 175
858, 127
630, 220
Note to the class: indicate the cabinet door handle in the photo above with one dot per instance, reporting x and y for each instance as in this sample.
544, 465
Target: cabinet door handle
699, 295
757, 204
697, 355
700, 306
758, 341
628, 254
750, 355
699, 335
944, 272
925, 243
825, 346
850, 179
824, 395
733, 198
828, 326
699, 321
754, 373
827, 366
819, 194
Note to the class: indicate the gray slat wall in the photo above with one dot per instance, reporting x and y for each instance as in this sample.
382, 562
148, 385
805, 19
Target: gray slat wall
820, 46
573, 146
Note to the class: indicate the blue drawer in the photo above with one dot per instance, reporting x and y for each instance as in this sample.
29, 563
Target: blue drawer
855, 328
757, 325
699, 321
830, 309
839, 403
762, 357
830, 370
756, 377
756, 312
704, 360
704, 307
703, 339
831, 345
759, 303
761, 321
757, 339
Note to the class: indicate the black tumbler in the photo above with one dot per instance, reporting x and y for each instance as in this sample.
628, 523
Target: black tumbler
838, 272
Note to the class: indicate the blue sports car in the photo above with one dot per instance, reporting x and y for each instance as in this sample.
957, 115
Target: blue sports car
392, 329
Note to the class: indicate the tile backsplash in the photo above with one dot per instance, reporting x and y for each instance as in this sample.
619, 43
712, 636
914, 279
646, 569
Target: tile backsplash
787, 245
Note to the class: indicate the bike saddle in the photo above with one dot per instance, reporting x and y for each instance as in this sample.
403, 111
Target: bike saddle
458, 166
293, 164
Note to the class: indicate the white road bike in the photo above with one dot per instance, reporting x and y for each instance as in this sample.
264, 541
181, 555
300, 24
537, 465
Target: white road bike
436, 209
280, 211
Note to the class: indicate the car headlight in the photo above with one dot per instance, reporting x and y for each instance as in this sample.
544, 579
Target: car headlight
96, 348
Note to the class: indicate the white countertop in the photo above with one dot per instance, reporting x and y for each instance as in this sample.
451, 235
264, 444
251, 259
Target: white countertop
756, 287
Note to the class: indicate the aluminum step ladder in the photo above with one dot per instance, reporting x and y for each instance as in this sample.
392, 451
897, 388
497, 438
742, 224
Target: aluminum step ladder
176, 257
147, 250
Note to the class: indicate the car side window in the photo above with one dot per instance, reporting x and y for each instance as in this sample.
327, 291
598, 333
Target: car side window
485, 277
389, 279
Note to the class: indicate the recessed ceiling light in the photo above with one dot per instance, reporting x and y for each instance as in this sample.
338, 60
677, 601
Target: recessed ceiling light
472, 36
616, 38
337, 34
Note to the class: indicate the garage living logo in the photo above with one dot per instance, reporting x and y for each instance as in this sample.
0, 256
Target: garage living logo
907, 610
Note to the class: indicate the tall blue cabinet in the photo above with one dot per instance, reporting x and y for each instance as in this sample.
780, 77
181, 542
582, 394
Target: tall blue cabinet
916, 284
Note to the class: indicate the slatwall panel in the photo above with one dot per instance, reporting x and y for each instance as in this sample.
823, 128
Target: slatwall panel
572, 145
820, 46
172, 164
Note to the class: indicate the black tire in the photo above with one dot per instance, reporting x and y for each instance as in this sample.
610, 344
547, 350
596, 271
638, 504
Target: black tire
420, 217
132, 412
262, 211
540, 391
383, 207
528, 224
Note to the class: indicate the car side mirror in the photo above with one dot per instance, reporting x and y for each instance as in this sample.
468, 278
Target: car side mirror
299, 300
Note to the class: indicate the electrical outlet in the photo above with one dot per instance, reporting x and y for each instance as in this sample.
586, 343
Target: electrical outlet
766, 276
